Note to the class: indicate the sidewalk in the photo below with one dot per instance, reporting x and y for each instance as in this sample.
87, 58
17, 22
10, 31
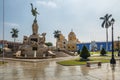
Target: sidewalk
48, 69
39, 60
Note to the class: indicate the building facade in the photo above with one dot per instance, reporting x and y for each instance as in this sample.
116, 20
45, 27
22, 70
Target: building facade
10, 44
61, 42
72, 41
97, 46
70, 44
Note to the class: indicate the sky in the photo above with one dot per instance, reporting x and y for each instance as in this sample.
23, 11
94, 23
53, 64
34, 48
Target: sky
81, 16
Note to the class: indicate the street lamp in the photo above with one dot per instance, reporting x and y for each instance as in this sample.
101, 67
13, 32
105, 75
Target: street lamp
118, 46
112, 61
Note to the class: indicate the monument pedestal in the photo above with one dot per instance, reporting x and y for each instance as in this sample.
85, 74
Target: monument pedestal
34, 45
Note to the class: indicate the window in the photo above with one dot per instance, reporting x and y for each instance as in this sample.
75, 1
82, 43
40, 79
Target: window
34, 48
73, 47
34, 39
101, 46
90, 47
68, 46
111, 47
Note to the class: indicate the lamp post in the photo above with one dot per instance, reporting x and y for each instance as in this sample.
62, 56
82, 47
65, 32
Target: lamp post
112, 61
118, 46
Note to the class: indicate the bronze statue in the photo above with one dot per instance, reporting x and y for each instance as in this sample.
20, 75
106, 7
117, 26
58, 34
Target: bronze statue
34, 11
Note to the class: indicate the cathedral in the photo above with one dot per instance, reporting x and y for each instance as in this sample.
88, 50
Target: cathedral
70, 44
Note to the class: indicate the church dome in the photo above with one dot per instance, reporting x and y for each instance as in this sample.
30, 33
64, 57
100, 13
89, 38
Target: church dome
71, 36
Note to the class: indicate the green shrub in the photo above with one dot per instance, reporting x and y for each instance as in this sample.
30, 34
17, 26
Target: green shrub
103, 52
1, 50
78, 52
84, 53
48, 44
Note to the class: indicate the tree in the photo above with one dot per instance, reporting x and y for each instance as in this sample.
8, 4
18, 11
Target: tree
1, 50
84, 53
14, 33
106, 24
49, 44
78, 52
57, 35
103, 52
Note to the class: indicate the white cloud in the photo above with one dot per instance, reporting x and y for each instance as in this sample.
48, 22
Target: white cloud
77, 7
8, 24
47, 3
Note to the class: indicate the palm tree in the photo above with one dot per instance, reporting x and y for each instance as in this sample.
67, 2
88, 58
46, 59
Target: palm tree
14, 33
106, 24
56, 35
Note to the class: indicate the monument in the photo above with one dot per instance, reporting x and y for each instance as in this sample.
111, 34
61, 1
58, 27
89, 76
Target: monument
34, 45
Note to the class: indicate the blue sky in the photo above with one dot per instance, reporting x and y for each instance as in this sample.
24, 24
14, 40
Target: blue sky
80, 15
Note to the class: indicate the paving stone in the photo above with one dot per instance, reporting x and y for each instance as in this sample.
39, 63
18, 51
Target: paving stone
50, 70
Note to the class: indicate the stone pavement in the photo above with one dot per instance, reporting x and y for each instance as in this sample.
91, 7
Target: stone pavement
49, 70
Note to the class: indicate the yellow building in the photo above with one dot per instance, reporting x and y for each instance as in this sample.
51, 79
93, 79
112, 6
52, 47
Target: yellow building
116, 45
72, 41
61, 42
69, 45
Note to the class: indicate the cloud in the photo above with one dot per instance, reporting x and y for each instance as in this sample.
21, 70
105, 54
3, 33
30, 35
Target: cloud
8, 24
47, 3
77, 7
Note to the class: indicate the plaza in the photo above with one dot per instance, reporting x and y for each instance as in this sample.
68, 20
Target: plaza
43, 33
48, 69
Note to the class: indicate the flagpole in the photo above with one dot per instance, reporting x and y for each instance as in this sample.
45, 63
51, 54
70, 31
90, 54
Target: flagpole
3, 34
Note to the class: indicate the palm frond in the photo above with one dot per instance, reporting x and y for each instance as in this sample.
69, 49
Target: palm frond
109, 16
102, 18
112, 20
103, 24
106, 15
109, 23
